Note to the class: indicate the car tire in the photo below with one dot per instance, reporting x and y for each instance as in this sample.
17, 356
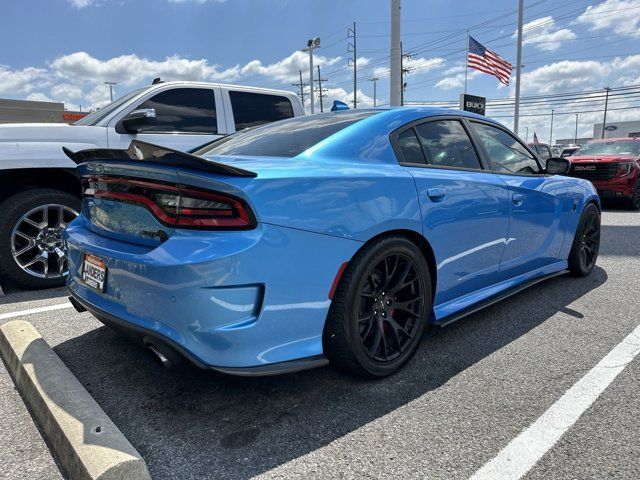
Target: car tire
370, 305
634, 202
23, 224
586, 243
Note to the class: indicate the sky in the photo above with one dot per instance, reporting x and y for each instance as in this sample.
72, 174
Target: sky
64, 50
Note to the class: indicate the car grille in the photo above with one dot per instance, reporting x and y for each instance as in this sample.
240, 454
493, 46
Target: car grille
594, 171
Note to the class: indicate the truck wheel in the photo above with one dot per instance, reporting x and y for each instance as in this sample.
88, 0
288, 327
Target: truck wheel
32, 253
634, 202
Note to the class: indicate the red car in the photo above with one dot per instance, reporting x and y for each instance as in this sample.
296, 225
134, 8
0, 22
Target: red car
613, 166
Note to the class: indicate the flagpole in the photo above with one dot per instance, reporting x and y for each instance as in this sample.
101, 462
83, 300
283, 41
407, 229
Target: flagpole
516, 113
466, 66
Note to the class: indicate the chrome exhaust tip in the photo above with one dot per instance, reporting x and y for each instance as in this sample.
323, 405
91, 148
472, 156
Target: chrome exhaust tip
159, 356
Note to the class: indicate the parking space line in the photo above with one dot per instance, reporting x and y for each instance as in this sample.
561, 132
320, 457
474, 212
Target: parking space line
31, 311
524, 451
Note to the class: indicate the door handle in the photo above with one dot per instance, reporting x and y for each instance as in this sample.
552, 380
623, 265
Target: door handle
436, 194
517, 199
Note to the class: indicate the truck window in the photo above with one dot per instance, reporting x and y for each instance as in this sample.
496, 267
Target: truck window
252, 109
183, 110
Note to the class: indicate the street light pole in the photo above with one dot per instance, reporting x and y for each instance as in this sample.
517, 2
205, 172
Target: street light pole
516, 113
606, 104
551, 132
575, 137
312, 44
111, 84
526, 139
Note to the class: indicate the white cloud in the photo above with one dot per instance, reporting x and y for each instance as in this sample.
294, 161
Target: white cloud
564, 76
288, 69
542, 33
132, 70
455, 78
39, 97
82, 3
20, 81
613, 16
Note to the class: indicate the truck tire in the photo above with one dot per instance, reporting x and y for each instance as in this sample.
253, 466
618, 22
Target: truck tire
32, 253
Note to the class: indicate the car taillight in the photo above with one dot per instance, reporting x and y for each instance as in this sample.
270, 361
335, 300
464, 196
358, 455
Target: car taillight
624, 169
174, 205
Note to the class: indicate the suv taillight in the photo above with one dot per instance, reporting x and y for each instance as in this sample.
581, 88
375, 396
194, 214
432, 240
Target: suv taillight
174, 205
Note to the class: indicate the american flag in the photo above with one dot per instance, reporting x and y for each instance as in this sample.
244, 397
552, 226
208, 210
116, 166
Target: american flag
487, 61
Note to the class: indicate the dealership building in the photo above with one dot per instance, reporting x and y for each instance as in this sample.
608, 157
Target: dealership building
27, 111
617, 129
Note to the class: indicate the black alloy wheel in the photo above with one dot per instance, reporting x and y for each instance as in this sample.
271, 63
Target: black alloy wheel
380, 309
586, 244
391, 301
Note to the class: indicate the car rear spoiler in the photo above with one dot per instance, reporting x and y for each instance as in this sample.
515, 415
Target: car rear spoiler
147, 152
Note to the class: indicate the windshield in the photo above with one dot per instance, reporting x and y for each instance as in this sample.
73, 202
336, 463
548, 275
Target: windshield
286, 138
614, 147
95, 117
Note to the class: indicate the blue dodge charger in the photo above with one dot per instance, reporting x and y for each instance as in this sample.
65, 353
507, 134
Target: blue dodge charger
328, 238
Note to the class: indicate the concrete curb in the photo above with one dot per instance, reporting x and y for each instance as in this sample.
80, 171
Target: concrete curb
81, 435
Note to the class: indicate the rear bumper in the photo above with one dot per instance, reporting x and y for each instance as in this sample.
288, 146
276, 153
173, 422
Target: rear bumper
225, 300
149, 336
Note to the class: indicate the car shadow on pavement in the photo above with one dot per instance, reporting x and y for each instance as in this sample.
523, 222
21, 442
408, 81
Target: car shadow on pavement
14, 294
189, 423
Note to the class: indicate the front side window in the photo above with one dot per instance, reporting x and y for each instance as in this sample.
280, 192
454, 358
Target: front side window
183, 110
287, 138
505, 152
446, 144
253, 109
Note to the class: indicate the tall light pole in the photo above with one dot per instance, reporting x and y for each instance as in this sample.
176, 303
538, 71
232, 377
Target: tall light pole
551, 132
395, 88
606, 104
111, 84
312, 44
575, 137
526, 139
516, 114
374, 80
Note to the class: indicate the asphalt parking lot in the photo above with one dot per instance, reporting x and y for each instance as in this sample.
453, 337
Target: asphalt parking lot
472, 388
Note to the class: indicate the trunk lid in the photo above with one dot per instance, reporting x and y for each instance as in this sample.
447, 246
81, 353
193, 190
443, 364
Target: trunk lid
141, 195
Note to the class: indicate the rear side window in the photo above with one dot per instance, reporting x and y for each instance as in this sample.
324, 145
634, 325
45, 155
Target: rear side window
446, 144
505, 152
287, 138
183, 110
410, 147
253, 109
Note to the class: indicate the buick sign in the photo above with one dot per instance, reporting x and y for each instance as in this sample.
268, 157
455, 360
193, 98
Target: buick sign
471, 103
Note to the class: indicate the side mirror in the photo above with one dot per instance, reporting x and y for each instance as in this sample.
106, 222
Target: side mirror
558, 166
138, 120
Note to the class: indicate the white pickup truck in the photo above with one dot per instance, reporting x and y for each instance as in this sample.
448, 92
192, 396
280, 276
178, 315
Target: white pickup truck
40, 194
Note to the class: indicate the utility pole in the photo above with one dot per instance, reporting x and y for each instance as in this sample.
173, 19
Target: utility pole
312, 44
526, 139
111, 84
551, 132
606, 104
374, 80
575, 137
395, 84
321, 90
516, 114
301, 86
352, 48
403, 71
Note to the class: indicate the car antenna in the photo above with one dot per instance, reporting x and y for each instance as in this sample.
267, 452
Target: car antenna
156, 81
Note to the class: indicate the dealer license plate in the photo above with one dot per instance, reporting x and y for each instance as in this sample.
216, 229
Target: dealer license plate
94, 272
